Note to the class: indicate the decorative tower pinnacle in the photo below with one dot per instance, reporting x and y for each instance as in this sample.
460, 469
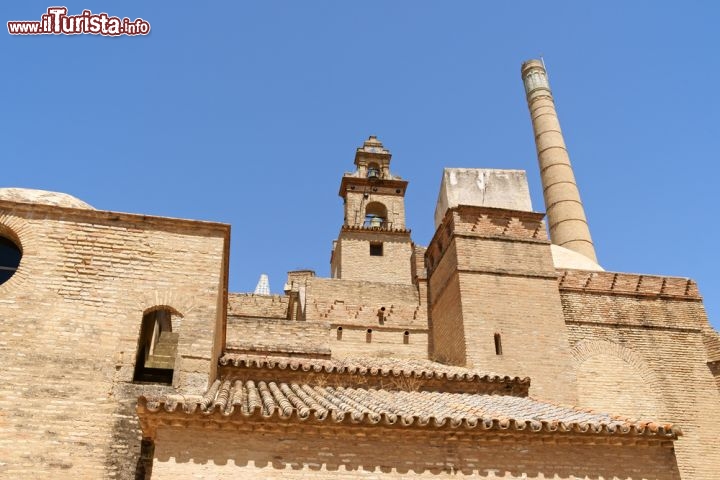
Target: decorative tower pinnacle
373, 244
565, 213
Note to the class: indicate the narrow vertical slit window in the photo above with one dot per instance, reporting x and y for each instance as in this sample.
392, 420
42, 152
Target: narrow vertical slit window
368, 335
498, 344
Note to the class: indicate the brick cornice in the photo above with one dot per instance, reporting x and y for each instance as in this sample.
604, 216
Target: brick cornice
628, 284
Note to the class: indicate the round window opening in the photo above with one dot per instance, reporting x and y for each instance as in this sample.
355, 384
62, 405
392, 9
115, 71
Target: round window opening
10, 256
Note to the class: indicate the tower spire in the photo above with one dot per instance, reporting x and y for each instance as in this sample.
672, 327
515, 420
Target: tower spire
565, 213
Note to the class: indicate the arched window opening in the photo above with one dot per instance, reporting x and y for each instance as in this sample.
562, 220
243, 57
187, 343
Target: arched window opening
406, 337
339, 333
157, 346
373, 171
368, 335
10, 256
375, 215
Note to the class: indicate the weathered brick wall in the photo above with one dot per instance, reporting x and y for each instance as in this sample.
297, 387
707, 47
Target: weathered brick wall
353, 341
251, 305
358, 303
356, 307
447, 330
354, 261
506, 285
71, 317
715, 370
330, 453
639, 353
278, 336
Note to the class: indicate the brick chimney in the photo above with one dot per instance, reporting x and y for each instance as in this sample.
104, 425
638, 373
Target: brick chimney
565, 213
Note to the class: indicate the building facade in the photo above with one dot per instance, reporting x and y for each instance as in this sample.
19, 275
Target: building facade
500, 350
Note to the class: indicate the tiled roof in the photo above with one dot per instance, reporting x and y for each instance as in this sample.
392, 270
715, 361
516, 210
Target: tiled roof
373, 366
235, 400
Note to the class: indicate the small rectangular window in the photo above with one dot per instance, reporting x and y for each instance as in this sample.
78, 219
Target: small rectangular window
376, 249
498, 344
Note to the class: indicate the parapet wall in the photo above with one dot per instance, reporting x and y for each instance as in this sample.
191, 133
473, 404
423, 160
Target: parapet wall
640, 348
253, 305
360, 303
280, 337
639, 300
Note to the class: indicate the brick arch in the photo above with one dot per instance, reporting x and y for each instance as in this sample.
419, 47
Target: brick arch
615, 379
180, 305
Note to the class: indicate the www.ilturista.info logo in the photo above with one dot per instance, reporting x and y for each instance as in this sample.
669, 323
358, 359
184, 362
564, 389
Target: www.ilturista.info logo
56, 21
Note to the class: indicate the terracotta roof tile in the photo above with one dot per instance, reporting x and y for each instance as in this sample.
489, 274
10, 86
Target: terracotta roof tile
234, 399
374, 366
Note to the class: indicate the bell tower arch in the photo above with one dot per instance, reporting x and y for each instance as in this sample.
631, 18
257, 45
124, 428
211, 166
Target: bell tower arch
374, 244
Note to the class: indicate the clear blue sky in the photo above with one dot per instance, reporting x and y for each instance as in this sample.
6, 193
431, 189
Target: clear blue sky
249, 113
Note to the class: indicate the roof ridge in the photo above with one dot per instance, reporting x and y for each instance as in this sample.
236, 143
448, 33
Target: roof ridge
237, 400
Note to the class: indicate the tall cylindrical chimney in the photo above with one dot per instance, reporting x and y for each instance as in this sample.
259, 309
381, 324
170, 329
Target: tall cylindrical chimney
565, 213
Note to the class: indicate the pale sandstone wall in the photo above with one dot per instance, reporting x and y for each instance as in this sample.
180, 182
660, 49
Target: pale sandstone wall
71, 317
645, 355
308, 453
251, 305
356, 263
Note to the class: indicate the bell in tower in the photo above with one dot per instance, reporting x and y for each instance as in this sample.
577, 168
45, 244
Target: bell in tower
373, 244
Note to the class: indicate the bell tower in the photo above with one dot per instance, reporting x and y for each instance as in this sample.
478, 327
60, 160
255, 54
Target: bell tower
373, 244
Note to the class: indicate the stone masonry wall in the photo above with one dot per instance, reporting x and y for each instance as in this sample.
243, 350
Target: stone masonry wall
71, 317
298, 452
644, 355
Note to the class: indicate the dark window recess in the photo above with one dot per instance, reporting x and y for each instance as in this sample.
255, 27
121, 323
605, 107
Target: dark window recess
406, 337
368, 335
157, 346
10, 256
376, 249
498, 344
339, 333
